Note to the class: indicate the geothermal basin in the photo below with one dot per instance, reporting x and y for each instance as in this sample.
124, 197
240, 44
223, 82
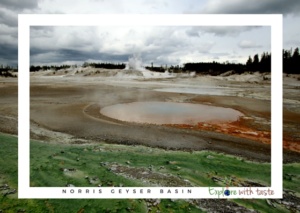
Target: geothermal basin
170, 113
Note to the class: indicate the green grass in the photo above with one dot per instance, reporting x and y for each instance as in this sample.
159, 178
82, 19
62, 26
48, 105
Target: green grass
261, 205
47, 160
291, 177
42, 165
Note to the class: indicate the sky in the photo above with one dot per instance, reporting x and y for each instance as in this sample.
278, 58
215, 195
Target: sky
160, 45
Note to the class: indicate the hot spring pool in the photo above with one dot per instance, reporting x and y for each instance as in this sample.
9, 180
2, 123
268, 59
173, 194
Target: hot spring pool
170, 113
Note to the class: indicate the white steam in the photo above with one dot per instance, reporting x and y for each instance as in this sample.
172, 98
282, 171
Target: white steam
135, 63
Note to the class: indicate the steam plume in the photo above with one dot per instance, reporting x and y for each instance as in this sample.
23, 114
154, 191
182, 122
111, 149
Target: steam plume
135, 63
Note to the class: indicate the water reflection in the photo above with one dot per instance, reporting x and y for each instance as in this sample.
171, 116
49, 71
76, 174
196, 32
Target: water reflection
170, 113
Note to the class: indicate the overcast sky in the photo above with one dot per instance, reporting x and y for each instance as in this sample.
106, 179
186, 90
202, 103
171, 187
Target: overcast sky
161, 45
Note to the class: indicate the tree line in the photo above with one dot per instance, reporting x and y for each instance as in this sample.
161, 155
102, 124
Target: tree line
6, 71
291, 61
85, 64
105, 65
213, 68
262, 63
45, 67
291, 64
253, 64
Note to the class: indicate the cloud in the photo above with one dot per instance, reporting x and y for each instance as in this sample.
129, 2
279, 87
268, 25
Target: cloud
8, 37
19, 5
7, 30
8, 54
252, 7
161, 45
9, 51
247, 44
62, 55
8, 17
53, 38
218, 30
169, 45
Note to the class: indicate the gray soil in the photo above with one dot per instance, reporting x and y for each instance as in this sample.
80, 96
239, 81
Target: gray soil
72, 108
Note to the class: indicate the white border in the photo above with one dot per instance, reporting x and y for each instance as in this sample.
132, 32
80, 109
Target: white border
25, 21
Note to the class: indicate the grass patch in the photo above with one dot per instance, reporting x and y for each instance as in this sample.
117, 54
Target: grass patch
261, 205
85, 163
197, 167
291, 177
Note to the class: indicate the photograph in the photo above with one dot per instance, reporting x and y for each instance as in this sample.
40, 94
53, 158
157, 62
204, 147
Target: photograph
128, 108
150, 106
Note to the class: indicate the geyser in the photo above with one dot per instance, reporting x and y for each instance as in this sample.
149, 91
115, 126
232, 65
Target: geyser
170, 113
135, 63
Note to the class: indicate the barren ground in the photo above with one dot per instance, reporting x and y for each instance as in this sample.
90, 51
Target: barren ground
70, 105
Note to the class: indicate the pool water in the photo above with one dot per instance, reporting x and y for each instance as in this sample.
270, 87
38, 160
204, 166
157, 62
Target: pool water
170, 113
